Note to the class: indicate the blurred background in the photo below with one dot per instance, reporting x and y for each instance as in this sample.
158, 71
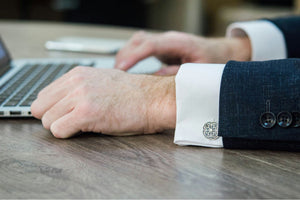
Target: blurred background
204, 17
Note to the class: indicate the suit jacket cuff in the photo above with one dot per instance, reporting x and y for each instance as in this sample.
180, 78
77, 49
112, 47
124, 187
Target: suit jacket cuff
267, 40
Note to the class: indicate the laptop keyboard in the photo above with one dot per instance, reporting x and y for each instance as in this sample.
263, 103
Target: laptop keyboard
23, 87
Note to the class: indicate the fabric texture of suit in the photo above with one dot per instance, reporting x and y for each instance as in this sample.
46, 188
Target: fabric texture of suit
290, 27
249, 89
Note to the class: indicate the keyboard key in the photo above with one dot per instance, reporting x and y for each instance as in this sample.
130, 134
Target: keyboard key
11, 103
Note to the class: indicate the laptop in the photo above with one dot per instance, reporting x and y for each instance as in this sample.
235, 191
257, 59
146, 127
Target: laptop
22, 79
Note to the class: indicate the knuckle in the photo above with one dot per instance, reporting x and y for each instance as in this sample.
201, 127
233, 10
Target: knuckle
138, 37
76, 78
85, 108
81, 91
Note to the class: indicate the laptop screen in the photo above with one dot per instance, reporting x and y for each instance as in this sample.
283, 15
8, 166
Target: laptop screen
4, 56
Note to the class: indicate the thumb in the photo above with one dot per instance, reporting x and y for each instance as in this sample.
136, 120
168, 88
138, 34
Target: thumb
171, 70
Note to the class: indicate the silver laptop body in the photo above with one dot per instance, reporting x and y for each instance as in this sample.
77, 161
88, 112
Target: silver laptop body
22, 79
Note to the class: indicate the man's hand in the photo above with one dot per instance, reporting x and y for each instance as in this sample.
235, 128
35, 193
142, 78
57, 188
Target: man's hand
175, 48
107, 101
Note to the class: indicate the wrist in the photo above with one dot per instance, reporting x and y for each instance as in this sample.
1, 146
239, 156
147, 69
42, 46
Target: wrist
224, 49
166, 112
239, 48
161, 109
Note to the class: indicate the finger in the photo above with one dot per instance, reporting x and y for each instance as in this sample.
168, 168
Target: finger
172, 70
135, 51
67, 126
47, 99
58, 110
141, 52
54, 92
132, 43
170, 46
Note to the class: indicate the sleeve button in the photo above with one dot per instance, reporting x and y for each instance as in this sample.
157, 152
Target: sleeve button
267, 120
284, 119
296, 119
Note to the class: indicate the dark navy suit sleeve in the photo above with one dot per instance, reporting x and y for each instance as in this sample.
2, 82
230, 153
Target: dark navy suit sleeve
260, 105
290, 27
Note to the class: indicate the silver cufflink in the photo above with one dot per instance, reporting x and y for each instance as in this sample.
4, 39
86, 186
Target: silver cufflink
210, 130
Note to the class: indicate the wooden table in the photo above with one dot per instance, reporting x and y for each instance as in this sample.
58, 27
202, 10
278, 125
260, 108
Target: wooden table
34, 164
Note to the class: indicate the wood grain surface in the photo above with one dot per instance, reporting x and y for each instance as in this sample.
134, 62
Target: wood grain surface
34, 164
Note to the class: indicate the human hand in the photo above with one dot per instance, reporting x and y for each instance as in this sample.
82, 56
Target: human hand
176, 48
107, 101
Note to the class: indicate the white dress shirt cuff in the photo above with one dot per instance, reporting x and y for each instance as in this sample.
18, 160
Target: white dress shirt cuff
267, 40
197, 102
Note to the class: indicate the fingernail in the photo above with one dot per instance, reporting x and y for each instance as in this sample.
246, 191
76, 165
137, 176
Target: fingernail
122, 65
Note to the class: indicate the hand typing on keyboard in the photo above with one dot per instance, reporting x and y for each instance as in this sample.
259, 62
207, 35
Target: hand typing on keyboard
107, 101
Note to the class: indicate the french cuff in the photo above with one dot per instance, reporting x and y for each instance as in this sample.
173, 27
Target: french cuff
197, 104
267, 40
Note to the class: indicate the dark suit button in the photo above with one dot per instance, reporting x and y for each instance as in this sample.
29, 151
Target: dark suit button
267, 120
296, 119
284, 119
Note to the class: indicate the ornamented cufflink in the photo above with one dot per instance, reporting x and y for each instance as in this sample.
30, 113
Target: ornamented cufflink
210, 130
